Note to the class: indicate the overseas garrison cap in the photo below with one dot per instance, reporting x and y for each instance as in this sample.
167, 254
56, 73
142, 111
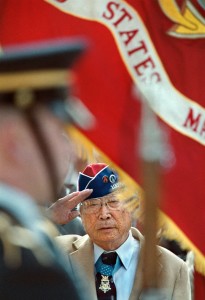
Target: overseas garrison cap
99, 177
41, 73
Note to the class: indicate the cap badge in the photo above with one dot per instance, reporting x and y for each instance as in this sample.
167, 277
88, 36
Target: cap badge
112, 178
105, 179
24, 98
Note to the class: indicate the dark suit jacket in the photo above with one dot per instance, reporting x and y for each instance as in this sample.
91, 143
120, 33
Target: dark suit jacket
173, 274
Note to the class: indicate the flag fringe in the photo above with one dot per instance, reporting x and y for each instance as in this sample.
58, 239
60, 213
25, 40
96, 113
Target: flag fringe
170, 230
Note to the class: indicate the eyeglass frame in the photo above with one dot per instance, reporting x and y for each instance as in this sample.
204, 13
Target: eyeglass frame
102, 201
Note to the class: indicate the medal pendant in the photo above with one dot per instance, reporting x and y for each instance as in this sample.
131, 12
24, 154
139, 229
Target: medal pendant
105, 284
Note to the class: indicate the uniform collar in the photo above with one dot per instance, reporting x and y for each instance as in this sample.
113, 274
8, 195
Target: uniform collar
20, 205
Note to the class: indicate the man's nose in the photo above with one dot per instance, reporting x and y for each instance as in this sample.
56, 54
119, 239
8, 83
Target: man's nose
104, 211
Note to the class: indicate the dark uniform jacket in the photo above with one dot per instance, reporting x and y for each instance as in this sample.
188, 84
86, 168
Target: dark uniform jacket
31, 265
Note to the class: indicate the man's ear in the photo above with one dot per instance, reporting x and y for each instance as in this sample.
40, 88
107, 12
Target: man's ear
81, 215
11, 142
80, 210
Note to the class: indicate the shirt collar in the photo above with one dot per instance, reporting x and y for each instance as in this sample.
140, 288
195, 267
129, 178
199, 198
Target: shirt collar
97, 252
124, 252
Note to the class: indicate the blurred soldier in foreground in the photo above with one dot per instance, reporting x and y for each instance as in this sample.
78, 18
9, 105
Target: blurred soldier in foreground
33, 105
111, 254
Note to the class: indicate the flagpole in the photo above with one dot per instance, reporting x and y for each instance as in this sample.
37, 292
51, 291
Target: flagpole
151, 192
150, 153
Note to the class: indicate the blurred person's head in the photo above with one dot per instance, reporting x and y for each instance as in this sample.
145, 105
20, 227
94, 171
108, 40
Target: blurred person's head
34, 106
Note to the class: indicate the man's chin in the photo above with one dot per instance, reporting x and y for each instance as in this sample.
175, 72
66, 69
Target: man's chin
107, 234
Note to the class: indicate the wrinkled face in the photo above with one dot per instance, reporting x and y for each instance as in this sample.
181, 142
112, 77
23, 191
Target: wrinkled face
108, 228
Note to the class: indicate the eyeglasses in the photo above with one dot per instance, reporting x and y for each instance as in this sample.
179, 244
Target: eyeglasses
93, 205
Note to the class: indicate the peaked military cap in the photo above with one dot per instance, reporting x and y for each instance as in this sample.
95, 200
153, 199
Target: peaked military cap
40, 72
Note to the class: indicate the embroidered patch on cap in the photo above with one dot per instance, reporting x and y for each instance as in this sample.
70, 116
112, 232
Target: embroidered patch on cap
99, 177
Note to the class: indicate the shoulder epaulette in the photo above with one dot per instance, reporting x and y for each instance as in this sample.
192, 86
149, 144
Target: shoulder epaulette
15, 237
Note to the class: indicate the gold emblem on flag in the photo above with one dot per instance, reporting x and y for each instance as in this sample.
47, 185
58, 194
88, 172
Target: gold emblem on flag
104, 284
188, 21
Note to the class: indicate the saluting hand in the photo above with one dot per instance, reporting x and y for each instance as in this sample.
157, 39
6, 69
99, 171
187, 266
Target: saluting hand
61, 212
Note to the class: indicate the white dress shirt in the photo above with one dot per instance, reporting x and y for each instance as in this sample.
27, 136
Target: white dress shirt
124, 277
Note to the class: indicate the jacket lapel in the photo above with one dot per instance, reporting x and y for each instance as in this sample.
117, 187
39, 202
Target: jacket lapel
85, 256
138, 284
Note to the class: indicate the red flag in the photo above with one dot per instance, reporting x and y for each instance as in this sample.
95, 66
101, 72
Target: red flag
150, 50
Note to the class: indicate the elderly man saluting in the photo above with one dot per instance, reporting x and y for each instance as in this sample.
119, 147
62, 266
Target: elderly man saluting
110, 252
